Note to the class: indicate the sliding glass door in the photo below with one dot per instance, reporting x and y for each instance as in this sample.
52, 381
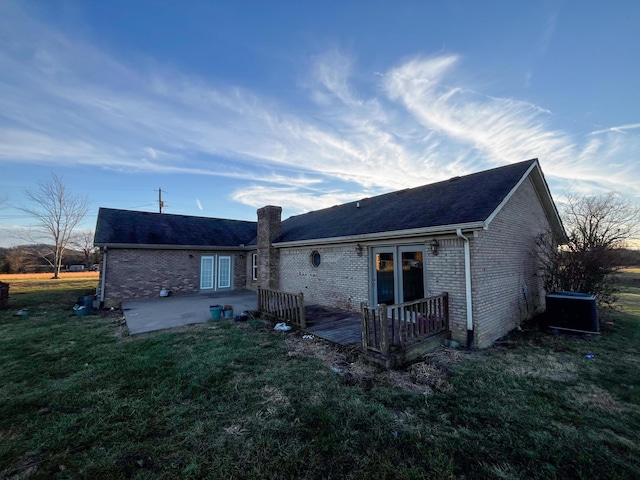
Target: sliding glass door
384, 281
398, 274
412, 278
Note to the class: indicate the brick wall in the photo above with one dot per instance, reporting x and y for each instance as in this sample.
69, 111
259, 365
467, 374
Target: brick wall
505, 288
140, 273
343, 278
250, 283
340, 281
239, 265
445, 273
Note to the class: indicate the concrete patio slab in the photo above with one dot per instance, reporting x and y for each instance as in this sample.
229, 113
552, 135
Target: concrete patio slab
153, 314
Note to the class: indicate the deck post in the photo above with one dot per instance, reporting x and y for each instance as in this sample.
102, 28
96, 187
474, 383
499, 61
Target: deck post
303, 319
384, 329
364, 317
445, 305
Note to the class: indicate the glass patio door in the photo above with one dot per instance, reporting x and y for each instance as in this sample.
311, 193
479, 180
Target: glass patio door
207, 272
398, 274
412, 278
384, 280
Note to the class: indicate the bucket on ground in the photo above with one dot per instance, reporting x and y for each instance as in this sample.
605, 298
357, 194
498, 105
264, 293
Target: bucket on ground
88, 302
83, 306
81, 310
228, 313
216, 312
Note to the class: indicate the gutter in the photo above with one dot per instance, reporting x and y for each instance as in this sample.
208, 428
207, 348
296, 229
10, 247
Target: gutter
103, 275
414, 232
467, 281
175, 247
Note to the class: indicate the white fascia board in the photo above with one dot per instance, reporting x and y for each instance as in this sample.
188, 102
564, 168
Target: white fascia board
145, 246
544, 195
369, 237
550, 207
509, 195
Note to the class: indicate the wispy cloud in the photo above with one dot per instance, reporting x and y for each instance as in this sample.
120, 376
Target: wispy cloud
199, 205
259, 196
542, 45
619, 129
494, 130
66, 101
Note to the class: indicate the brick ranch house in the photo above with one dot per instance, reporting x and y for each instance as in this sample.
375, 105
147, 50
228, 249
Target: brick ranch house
472, 237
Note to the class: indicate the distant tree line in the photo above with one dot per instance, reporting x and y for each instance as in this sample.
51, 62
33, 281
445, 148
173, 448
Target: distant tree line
628, 258
32, 258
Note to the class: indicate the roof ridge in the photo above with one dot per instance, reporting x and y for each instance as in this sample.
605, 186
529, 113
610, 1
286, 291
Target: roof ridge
174, 215
424, 186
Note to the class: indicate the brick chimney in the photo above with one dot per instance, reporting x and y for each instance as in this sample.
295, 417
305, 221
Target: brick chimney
269, 229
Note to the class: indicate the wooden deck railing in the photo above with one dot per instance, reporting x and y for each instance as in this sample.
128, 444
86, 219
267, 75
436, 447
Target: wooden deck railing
286, 307
385, 327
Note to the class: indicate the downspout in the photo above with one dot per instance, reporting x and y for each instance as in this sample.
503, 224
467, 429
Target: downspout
103, 274
467, 281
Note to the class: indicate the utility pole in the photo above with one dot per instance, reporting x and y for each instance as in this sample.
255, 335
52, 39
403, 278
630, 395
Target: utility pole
160, 202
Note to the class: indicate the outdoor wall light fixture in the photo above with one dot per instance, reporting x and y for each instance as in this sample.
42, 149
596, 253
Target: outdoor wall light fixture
359, 250
434, 245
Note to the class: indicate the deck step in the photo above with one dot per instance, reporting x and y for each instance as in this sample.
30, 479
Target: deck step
410, 354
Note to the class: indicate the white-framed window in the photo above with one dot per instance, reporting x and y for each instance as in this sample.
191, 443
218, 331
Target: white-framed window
224, 272
254, 266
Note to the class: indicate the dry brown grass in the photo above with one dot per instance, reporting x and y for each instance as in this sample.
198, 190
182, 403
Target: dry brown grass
235, 430
593, 396
426, 377
7, 277
272, 395
550, 366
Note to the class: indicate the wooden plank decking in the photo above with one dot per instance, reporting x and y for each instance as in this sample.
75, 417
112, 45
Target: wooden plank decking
343, 328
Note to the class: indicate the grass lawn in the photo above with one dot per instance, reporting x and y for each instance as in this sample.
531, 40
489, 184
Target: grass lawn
79, 398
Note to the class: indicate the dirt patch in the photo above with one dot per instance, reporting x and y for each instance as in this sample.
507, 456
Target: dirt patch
117, 319
428, 376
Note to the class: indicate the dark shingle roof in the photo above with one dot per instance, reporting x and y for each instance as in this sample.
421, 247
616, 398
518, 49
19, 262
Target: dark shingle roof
145, 228
471, 198
461, 200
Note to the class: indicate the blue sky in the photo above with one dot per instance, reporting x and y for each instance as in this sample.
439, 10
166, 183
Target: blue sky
229, 106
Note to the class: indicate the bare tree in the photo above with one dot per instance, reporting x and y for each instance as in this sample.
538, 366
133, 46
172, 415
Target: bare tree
83, 240
604, 221
597, 228
57, 213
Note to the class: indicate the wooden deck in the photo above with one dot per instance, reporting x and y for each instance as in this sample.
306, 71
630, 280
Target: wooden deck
346, 329
343, 328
